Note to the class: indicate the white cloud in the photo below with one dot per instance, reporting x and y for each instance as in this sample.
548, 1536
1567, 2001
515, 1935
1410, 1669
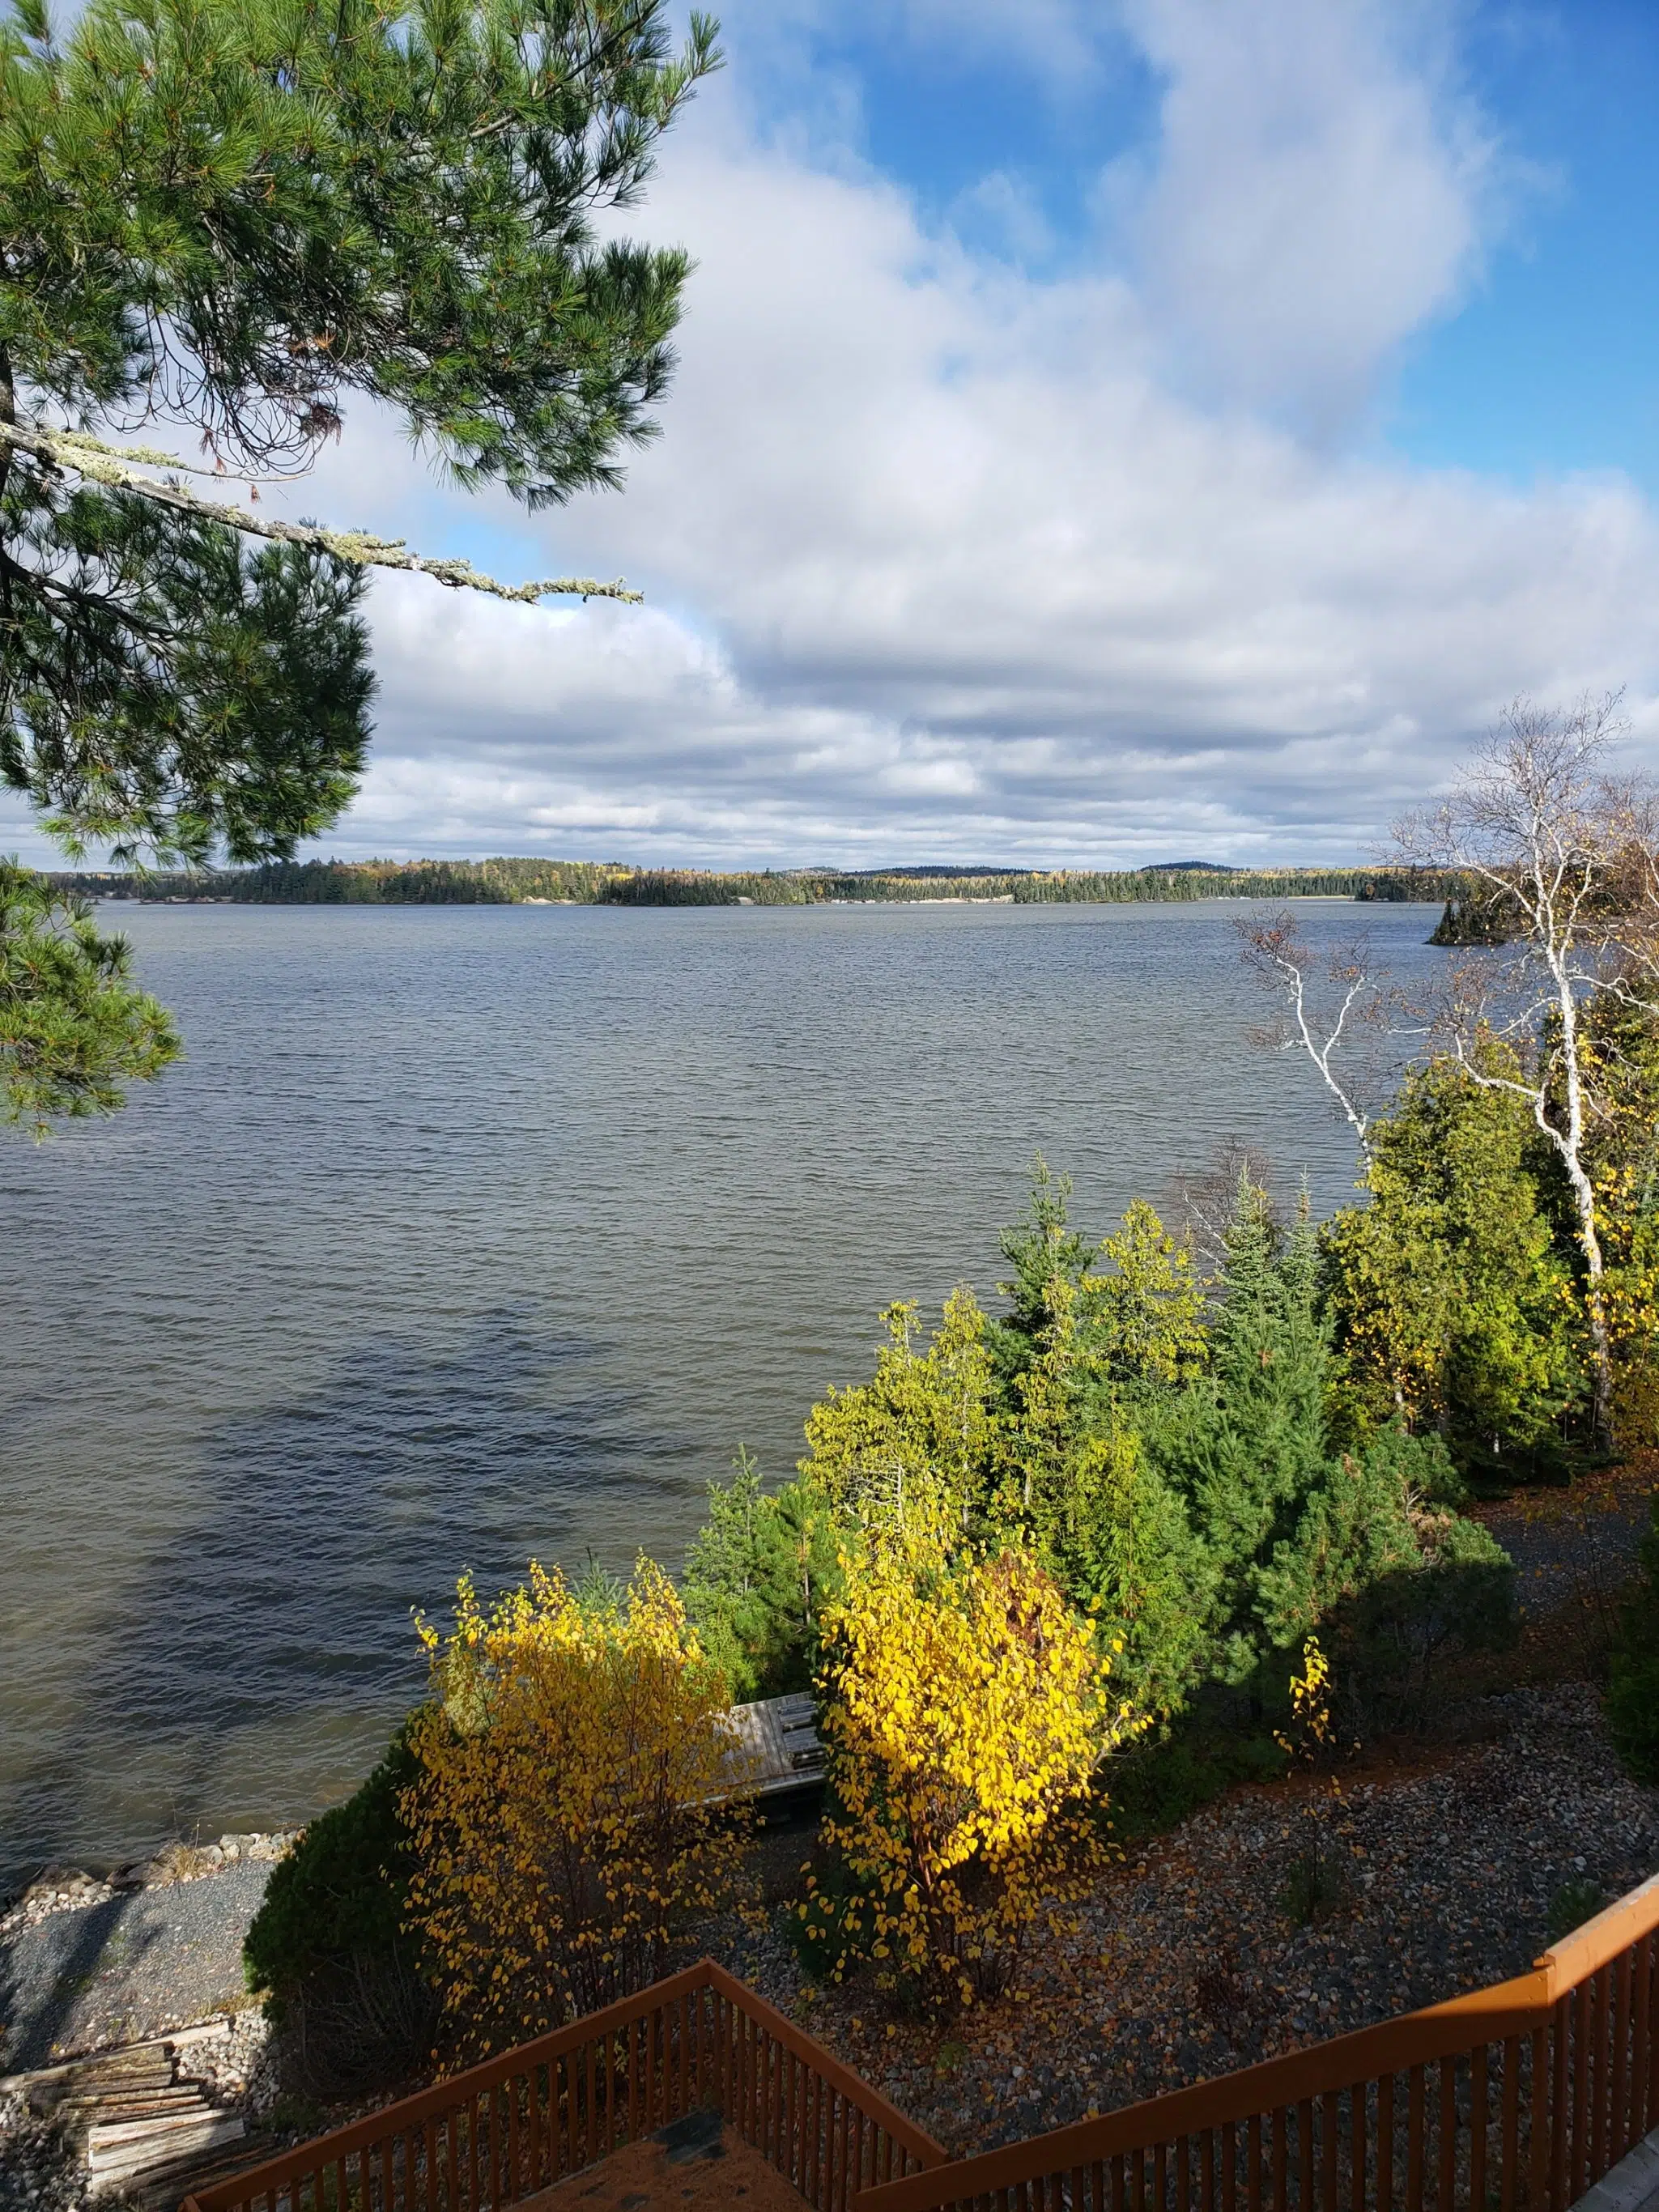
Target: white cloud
1318, 191
941, 561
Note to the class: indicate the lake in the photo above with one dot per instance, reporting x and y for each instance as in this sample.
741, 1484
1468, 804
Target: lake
469, 1233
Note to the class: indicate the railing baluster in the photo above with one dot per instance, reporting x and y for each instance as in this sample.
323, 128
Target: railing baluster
1560, 2107
1509, 2180
1584, 2091
1640, 1984
1446, 2189
1544, 2113
1601, 2090
1619, 2137
1281, 2160
1477, 2129
1414, 2140
791, 2124
1356, 2108
809, 2177
1385, 2144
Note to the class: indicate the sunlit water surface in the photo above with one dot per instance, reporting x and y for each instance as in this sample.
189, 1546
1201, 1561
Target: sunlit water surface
467, 1234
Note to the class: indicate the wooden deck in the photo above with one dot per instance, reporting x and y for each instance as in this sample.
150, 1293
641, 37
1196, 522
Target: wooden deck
697, 2165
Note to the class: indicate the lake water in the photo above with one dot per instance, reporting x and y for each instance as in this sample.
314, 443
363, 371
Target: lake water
469, 1233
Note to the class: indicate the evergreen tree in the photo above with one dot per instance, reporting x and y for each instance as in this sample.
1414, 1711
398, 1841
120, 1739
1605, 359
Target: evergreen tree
1621, 1042
72, 1027
757, 1577
1245, 1446
1075, 1481
1138, 1308
922, 1440
232, 218
1127, 1549
1454, 1306
1040, 1250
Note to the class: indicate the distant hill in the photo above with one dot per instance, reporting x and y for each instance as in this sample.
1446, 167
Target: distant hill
509, 882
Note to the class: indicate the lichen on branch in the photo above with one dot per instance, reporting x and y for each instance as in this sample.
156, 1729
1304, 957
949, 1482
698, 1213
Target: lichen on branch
121, 469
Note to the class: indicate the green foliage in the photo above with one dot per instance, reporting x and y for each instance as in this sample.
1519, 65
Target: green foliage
229, 690
921, 1440
1621, 1043
72, 1027
327, 1946
231, 217
1245, 1444
1157, 1784
1174, 1475
1128, 1549
1632, 1698
1453, 1304
1320, 1881
761, 1568
833, 1930
1394, 1632
1572, 1904
1136, 1318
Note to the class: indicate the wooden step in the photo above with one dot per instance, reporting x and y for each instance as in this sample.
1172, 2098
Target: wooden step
104, 2103
163, 2188
104, 2135
128, 2151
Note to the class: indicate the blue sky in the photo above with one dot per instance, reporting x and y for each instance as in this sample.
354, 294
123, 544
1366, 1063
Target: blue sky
1547, 361
1106, 430
1552, 362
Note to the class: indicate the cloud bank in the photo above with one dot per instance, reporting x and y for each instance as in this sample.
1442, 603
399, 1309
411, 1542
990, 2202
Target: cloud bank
949, 559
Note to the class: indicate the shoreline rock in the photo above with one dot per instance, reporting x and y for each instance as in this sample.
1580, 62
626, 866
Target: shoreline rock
62, 1889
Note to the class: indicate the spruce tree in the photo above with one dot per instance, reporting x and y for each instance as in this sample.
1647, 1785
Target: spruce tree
1455, 1306
759, 1570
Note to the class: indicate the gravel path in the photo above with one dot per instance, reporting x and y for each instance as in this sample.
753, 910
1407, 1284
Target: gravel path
1186, 1964
134, 1966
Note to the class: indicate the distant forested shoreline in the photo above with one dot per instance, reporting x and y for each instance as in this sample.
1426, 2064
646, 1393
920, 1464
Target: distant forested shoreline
597, 882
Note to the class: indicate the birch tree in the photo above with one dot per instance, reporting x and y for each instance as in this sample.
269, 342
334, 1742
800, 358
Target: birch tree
1560, 856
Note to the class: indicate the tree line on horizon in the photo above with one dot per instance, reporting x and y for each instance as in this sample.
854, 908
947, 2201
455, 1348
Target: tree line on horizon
506, 881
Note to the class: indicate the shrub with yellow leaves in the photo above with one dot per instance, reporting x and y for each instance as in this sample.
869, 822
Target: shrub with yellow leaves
561, 1814
967, 1708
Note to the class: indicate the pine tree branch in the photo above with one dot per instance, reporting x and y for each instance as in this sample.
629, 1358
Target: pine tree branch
112, 467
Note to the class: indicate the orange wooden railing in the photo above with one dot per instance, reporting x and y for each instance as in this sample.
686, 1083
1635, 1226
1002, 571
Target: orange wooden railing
490, 2137
1522, 2095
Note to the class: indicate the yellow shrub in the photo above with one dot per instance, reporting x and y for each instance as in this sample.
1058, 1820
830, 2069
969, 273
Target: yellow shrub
967, 1708
560, 1814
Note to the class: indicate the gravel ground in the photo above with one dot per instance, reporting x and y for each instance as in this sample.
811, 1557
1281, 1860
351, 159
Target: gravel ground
129, 1966
1186, 1964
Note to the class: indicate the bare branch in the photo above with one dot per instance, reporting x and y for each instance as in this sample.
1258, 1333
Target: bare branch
1275, 952
115, 467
